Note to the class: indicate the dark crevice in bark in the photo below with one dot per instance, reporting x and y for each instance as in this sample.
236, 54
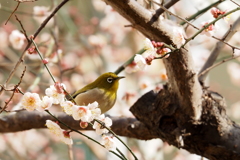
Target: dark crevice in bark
215, 136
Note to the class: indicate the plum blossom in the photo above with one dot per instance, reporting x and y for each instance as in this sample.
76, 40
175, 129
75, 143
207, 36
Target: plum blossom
99, 128
210, 30
108, 142
139, 63
95, 110
16, 38
67, 107
178, 37
81, 113
56, 93
148, 46
58, 132
46, 103
175, 32
31, 101
97, 40
163, 51
40, 13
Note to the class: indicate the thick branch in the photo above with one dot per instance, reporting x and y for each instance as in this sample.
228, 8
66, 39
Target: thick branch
24, 120
215, 136
182, 77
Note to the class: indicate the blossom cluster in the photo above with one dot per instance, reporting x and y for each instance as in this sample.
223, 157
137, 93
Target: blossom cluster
209, 30
152, 50
55, 94
175, 32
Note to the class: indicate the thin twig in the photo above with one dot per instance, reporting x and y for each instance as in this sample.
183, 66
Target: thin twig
13, 12
114, 134
160, 10
233, 47
5, 9
219, 45
235, 3
165, 9
194, 16
15, 89
129, 25
125, 158
217, 64
23, 30
206, 26
72, 129
39, 53
163, 55
34, 36
25, 1
122, 67
55, 38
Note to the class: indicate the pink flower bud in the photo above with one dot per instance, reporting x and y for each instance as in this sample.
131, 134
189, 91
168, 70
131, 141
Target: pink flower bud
59, 87
163, 51
45, 61
159, 44
31, 37
154, 44
216, 12
32, 50
66, 134
83, 124
149, 59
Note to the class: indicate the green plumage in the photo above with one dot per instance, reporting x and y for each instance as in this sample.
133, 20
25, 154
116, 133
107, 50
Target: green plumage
103, 90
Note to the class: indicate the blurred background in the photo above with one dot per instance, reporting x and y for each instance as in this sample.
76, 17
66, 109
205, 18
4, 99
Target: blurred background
84, 40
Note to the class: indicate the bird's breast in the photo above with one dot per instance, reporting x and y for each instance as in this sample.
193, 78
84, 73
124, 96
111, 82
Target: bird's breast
105, 100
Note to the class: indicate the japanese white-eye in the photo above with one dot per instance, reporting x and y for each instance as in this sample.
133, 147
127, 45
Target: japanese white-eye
103, 90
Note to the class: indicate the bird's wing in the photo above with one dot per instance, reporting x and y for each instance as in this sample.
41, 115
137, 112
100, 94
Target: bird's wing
84, 89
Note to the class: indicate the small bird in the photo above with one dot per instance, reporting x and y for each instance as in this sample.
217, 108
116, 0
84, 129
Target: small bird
103, 90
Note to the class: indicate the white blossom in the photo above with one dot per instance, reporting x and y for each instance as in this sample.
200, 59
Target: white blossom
108, 142
52, 92
46, 103
16, 38
81, 113
67, 107
99, 128
31, 101
58, 132
95, 110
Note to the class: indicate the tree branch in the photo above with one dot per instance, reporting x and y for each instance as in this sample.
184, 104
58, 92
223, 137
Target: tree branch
182, 77
160, 11
29, 43
215, 52
214, 137
24, 120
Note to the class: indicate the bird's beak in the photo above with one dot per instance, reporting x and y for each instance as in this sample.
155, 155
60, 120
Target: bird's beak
120, 77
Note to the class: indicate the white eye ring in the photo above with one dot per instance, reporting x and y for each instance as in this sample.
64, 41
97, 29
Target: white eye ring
109, 79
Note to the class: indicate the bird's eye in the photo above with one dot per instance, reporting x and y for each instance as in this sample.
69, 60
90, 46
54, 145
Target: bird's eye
109, 79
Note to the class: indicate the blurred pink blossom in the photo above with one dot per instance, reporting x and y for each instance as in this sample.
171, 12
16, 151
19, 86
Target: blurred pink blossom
16, 38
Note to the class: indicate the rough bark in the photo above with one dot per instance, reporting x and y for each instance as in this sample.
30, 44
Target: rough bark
24, 120
172, 114
179, 66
